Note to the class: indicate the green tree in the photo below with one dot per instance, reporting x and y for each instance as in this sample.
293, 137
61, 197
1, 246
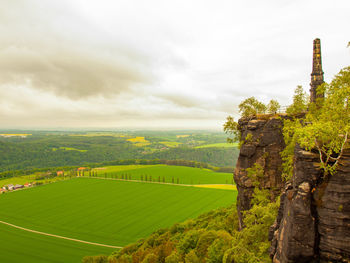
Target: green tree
325, 129
273, 107
250, 107
300, 101
173, 258
231, 128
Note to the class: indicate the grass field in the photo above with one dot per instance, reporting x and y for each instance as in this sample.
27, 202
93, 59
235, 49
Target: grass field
96, 210
170, 144
21, 246
186, 175
220, 145
69, 149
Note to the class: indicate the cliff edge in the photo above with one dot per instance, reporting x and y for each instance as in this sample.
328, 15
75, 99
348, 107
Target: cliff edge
262, 142
313, 222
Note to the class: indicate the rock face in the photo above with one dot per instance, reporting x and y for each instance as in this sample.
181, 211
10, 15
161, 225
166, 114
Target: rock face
313, 223
263, 142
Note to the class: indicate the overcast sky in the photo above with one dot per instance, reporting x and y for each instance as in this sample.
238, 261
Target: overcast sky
157, 63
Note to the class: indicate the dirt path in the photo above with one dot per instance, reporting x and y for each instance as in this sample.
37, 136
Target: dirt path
57, 236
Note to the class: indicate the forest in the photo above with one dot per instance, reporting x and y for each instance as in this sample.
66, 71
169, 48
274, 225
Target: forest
56, 149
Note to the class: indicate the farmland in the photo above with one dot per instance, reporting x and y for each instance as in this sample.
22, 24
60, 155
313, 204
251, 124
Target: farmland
20, 246
96, 210
218, 145
166, 174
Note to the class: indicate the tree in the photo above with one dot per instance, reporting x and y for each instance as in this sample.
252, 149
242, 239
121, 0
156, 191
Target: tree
300, 101
325, 129
273, 106
231, 128
250, 107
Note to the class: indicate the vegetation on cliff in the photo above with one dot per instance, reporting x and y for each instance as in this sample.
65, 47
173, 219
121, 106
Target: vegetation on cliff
326, 126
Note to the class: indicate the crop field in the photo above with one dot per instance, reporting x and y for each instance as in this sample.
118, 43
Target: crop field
171, 144
219, 145
139, 141
166, 173
21, 246
96, 210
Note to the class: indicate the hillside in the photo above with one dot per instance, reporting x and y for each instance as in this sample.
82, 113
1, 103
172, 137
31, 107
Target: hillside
49, 149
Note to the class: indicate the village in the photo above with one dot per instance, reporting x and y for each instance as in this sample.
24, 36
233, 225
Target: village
58, 174
11, 187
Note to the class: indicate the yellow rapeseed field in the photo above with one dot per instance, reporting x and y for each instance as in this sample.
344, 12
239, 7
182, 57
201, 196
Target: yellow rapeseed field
139, 141
217, 186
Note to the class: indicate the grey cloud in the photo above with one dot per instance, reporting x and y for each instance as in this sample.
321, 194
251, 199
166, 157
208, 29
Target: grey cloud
181, 100
64, 54
68, 74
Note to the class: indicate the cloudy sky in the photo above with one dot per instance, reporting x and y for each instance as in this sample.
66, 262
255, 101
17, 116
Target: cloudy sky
158, 63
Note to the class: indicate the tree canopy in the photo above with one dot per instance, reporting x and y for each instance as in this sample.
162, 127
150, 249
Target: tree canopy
326, 125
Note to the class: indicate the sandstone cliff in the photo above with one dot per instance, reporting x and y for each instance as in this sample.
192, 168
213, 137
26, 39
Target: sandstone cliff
263, 142
313, 222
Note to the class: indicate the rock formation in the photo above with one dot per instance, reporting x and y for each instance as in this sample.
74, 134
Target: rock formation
262, 144
313, 223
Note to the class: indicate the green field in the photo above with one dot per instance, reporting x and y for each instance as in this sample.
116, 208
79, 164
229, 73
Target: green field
95, 210
21, 246
69, 149
186, 175
218, 145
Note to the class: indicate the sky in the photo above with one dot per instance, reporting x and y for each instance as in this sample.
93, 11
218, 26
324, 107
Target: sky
159, 64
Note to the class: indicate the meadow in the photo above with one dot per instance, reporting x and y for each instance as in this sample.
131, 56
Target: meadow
165, 173
93, 209
21, 246
218, 145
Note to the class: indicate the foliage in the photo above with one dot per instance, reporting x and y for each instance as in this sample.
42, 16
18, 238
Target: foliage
231, 128
326, 125
251, 244
288, 152
273, 107
95, 259
300, 101
251, 106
